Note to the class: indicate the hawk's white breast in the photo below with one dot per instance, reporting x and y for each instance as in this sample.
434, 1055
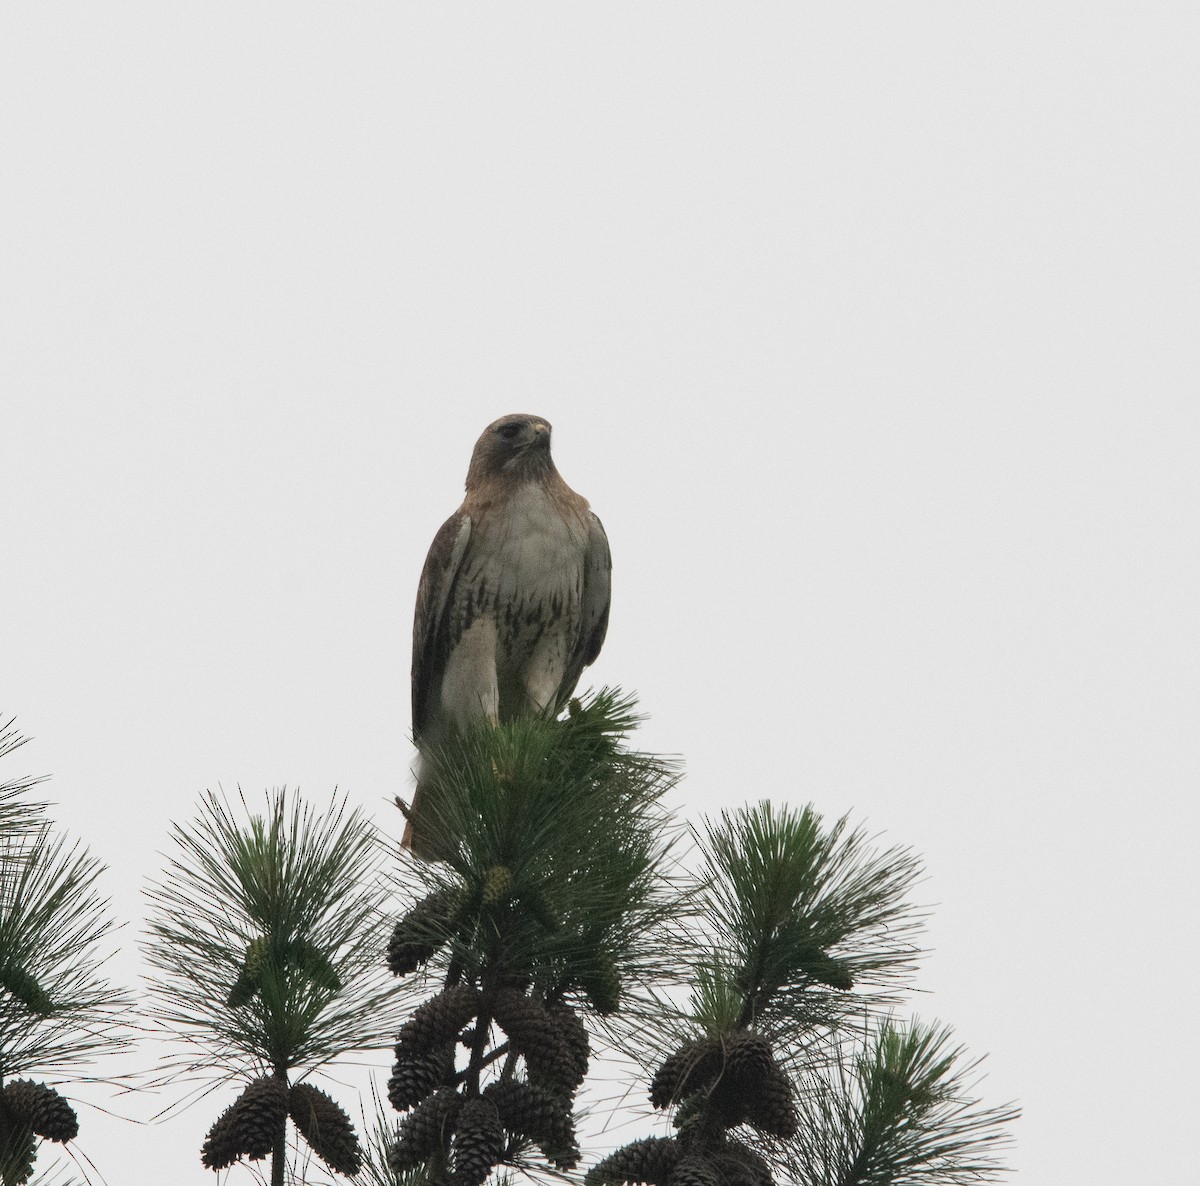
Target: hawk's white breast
533, 551
517, 607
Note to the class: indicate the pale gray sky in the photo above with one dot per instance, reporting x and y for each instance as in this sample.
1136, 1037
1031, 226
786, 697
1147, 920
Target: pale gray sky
868, 330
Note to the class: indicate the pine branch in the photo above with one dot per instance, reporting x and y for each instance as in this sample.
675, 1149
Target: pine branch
265, 937
551, 898
901, 1109
57, 1012
802, 913
552, 831
267, 940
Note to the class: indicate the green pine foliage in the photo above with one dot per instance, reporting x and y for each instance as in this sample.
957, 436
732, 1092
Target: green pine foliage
266, 940
18, 813
807, 935
551, 904
558, 899
898, 1108
797, 913
553, 832
759, 993
58, 1014
264, 937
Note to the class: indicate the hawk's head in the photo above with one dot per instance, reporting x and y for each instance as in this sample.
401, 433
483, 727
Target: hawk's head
516, 446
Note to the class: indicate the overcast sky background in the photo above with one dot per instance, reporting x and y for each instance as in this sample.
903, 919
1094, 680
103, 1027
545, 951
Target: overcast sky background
868, 330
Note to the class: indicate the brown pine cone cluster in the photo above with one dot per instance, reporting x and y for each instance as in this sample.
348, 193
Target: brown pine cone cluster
29, 1110
253, 1123
548, 1041
438, 1021
573, 1034
221, 1149
739, 1165
671, 1161
415, 1076
542, 1116
426, 1130
693, 1067
754, 1088
39, 1106
250, 1126
470, 1135
651, 1160
478, 1142
695, 1169
740, 1080
463, 1136
717, 1083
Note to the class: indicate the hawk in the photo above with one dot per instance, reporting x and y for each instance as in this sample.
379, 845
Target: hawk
513, 600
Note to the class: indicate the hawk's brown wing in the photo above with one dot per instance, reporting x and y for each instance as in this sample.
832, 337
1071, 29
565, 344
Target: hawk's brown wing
593, 609
430, 628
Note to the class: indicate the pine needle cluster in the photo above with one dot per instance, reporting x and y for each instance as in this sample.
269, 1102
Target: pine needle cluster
57, 1012
897, 1107
265, 939
805, 929
548, 907
799, 913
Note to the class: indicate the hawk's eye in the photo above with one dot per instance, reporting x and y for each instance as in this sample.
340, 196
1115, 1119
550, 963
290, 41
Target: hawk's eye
508, 431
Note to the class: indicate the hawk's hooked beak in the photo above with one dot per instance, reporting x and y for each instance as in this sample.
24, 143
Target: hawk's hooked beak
540, 429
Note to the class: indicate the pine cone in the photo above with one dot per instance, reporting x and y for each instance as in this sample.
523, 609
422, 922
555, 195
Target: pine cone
43, 1109
259, 1115
25, 988
528, 1111
478, 1142
249, 979
750, 1085
532, 1032
693, 1067
425, 1131
415, 1076
314, 963
437, 1021
573, 1035
497, 885
420, 934
602, 984
326, 1127
828, 970
770, 1104
741, 1166
695, 1170
220, 1149
748, 1055
650, 1160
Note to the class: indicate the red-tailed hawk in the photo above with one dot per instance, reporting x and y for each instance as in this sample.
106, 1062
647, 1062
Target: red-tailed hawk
513, 599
